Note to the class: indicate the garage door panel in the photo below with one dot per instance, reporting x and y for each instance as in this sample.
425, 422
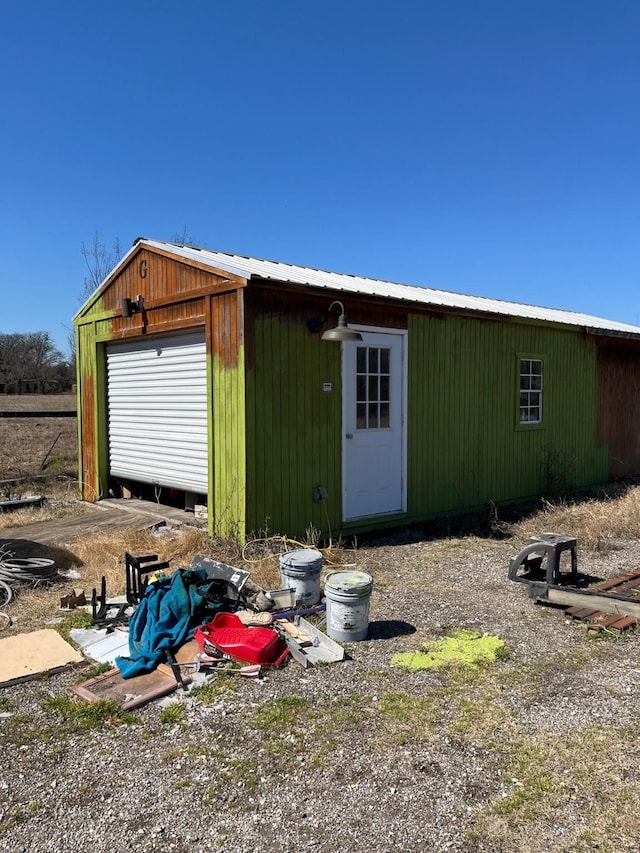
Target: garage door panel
157, 403
167, 432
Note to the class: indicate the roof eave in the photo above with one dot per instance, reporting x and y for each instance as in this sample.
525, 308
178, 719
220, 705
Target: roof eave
612, 333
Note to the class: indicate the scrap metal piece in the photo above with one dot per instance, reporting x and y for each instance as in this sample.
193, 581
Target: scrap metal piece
323, 649
137, 571
551, 546
618, 596
105, 613
76, 598
175, 668
101, 644
298, 653
234, 577
282, 598
317, 647
22, 503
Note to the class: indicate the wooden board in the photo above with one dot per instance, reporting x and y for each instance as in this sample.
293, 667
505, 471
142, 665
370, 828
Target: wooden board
127, 692
627, 607
63, 531
186, 654
24, 656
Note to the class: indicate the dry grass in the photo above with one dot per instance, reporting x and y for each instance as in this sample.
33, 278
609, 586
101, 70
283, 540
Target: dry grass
596, 523
93, 557
25, 442
102, 554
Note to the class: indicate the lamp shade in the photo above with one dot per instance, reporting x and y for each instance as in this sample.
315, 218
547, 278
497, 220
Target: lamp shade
342, 332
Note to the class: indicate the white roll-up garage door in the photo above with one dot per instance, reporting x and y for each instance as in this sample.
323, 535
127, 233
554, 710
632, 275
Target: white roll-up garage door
157, 398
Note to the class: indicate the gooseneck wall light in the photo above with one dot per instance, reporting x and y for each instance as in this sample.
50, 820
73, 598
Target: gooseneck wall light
339, 333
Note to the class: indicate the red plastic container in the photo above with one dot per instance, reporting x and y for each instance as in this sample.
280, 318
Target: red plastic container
230, 636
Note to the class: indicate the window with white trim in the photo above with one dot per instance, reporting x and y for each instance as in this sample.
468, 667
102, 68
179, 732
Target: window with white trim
531, 390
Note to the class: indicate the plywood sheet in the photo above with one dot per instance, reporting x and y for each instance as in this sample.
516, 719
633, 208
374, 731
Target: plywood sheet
24, 656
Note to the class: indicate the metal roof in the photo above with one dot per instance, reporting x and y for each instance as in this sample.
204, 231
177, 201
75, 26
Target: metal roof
248, 268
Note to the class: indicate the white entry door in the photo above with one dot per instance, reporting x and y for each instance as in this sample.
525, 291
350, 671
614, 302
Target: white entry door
374, 440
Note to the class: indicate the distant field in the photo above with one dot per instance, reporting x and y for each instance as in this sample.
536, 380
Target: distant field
24, 443
37, 402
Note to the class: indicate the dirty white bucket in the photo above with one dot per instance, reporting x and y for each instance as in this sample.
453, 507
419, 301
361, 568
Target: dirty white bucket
301, 570
348, 595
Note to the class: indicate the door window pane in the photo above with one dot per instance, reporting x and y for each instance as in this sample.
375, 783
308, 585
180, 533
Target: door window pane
361, 389
384, 389
374, 395
373, 387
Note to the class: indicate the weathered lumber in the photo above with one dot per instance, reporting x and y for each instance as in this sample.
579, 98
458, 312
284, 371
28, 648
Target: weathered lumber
608, 603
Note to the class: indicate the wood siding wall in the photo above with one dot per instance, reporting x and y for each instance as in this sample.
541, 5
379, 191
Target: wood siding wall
620, 409
90, 487
177, 296
228, 433
293, 425
466, 447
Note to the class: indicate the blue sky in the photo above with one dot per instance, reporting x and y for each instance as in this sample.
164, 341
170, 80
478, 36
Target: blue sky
490, 147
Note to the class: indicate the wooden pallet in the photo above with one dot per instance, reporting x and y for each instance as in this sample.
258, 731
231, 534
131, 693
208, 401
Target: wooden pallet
626, 588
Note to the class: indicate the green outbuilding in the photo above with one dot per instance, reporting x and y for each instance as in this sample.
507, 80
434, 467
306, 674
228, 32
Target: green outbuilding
283, 398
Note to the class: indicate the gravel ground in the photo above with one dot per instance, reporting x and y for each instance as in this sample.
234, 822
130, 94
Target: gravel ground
535, 752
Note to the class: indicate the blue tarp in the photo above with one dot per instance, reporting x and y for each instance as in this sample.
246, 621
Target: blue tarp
167, 614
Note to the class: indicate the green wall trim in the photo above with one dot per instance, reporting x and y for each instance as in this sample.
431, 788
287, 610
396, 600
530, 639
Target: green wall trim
227, 441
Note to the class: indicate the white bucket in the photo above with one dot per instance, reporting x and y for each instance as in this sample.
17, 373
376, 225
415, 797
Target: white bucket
348, 595
301, 570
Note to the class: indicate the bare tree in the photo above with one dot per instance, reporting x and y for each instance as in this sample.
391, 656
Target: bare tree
11, 358
185, 239
99, 261
31, 358
71, 346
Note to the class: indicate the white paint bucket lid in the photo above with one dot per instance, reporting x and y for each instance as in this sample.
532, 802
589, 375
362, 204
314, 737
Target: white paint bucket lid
303, 559
354, 583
